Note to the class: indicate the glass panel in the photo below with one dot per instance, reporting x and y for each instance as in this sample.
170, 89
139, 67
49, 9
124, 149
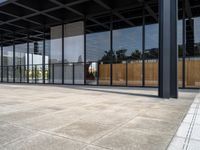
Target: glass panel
127, 44
56, 54
79, 73
35, 58
151, 54
57, 73
74, 42
1, 73
38, 74
68, 70
180, 52
98, 51
192, 70
10, 73
97, 44
5, 73
91, 73
47, 56
20, 62
8, 61
74, 52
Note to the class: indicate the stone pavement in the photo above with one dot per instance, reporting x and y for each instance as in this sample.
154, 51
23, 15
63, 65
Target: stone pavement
188, 134
42, 117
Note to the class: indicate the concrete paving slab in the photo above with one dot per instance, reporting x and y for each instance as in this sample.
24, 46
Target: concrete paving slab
194, 145
43, 141
126, 139
152, 126
84, 131
10, 133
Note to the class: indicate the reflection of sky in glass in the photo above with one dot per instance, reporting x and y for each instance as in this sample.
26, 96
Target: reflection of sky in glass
130, 39
197, 30
97, 44
74, 48
180, 32
56, 50
151, 36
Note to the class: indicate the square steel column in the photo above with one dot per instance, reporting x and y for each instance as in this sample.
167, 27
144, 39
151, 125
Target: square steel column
43, 57
174, 50
27, 73
63, 53
14, 59
1, 59
168, 49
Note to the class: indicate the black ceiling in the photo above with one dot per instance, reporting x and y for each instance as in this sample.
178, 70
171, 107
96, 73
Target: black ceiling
19, 17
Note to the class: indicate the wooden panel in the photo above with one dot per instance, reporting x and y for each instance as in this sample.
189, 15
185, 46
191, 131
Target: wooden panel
192, 73
135, 74
180, 73
119, 74
104, 74
151, 73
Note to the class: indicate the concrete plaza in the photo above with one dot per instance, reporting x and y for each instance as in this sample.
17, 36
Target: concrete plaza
44, 117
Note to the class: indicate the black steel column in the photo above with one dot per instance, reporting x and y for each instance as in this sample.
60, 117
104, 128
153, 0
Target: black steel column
73, 74
143, 47
14, 59
111, 47
63, 53
126, 72
27, 73
184, 44
84, 50
1, 59
174, 50
43, 58
168, 49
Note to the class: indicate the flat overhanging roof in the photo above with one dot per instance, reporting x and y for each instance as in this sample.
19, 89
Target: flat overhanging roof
19, 17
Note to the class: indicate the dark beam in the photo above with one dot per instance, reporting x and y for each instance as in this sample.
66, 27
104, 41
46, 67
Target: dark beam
78, 13
15, 16
37, 11
149, 10
106, 6
25, 37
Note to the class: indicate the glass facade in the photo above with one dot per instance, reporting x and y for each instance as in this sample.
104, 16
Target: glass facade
105, 50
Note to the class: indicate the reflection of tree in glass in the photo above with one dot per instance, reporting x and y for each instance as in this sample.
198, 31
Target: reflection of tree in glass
109, 56
136, 55
120, 55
